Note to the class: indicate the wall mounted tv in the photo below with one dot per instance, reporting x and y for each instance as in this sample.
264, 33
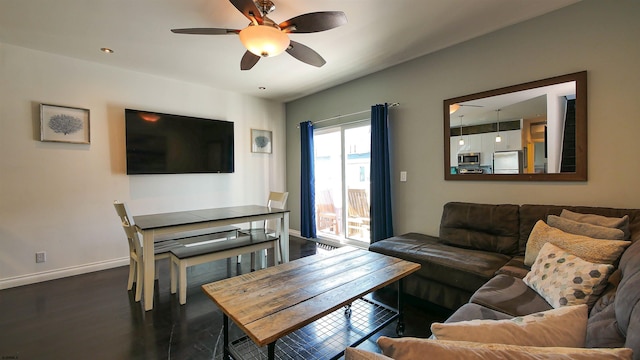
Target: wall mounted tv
159, 143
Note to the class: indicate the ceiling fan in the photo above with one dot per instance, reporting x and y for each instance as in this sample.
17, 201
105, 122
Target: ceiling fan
264, 38
454, 107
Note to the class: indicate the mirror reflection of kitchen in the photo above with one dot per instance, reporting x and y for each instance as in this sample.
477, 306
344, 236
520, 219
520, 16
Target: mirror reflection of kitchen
530, 131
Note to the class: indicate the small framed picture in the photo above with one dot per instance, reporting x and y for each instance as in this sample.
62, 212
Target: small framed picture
64, 124
261, 141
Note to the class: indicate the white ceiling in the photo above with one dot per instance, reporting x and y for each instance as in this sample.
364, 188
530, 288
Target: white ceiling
379, 34
523, 104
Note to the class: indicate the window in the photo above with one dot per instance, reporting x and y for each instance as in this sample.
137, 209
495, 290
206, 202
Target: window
342, 168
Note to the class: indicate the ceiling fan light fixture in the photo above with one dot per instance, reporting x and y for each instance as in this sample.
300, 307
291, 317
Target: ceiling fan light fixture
264, 40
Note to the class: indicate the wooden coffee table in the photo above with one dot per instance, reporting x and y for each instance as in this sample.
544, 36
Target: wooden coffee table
271, 303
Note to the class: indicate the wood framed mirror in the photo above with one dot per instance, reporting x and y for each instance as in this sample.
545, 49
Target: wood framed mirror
536, 131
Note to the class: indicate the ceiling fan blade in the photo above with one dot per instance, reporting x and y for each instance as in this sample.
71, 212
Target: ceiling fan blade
248, 8
305, 54
248, 60
314, 22
205, 31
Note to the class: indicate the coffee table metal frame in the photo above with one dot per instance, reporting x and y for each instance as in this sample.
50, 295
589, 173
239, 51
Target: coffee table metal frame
397, 314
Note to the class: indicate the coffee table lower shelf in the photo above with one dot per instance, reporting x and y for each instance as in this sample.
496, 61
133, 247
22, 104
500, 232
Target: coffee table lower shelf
326, 338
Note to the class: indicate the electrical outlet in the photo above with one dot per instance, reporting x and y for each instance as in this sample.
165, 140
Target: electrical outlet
403, 176
41, 257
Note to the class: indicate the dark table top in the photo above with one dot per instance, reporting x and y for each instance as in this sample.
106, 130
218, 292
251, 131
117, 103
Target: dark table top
154, 221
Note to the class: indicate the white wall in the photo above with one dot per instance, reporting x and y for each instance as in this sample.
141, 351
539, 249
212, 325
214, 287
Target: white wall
57, 197
592, 35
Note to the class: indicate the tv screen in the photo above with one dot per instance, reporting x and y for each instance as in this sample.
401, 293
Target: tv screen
159, 143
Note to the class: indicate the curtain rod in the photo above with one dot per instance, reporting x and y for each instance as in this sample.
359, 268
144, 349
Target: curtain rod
354, 113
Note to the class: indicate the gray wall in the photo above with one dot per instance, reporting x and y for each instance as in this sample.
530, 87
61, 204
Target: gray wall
597, 36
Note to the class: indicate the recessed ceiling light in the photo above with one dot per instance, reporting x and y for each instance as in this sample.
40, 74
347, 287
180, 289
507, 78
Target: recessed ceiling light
106, 50
262, 88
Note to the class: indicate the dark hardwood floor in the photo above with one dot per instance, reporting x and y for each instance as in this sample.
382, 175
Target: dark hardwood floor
93, 316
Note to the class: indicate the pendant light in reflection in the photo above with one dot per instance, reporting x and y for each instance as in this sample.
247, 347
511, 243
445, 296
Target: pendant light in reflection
461, 141
498, 137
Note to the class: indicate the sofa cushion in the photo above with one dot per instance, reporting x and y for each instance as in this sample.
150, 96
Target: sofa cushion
437, 292
514, 267
481, 226
602, 330
586, 229
462, 268
470, 311
564, 279
566, 326
627, 300
509, 295
413, 348
589, 249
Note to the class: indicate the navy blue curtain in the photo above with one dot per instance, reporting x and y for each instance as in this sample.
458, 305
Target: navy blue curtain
307, 182
381, 219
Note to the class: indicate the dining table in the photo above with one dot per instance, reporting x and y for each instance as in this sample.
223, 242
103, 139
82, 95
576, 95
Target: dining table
152, 226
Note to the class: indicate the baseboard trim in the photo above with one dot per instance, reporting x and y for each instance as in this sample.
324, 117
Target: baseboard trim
21, 280
61, 273
294, 232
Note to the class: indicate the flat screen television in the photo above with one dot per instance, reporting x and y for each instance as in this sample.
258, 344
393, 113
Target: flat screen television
159, 143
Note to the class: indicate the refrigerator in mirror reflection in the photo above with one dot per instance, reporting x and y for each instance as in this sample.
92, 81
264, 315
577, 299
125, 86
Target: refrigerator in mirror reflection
507, 162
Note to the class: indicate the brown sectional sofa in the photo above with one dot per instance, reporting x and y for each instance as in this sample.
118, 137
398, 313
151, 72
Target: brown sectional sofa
476, 267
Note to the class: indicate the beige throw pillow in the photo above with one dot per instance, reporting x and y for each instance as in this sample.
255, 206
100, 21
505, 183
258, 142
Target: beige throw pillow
413, 348
564, 279
610, 222
589, 249
358, 354
586, 229
566, 326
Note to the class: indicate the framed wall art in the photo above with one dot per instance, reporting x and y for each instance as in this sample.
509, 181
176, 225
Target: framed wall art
261, 141
64, 124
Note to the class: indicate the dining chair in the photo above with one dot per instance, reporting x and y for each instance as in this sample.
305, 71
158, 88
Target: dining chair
162, 249
277, 200
135, 249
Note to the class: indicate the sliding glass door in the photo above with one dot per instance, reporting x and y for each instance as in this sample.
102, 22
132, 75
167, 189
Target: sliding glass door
342, 166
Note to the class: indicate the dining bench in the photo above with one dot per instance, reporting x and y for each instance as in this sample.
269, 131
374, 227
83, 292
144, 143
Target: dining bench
203, 249
165, 243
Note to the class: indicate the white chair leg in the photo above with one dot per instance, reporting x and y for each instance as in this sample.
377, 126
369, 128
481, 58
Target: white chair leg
183, 282
139, 277
132, 273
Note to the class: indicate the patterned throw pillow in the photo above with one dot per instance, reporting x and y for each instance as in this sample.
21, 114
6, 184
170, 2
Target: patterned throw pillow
564, 279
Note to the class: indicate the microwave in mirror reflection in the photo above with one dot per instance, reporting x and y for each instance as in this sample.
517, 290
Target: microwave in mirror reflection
470, 158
